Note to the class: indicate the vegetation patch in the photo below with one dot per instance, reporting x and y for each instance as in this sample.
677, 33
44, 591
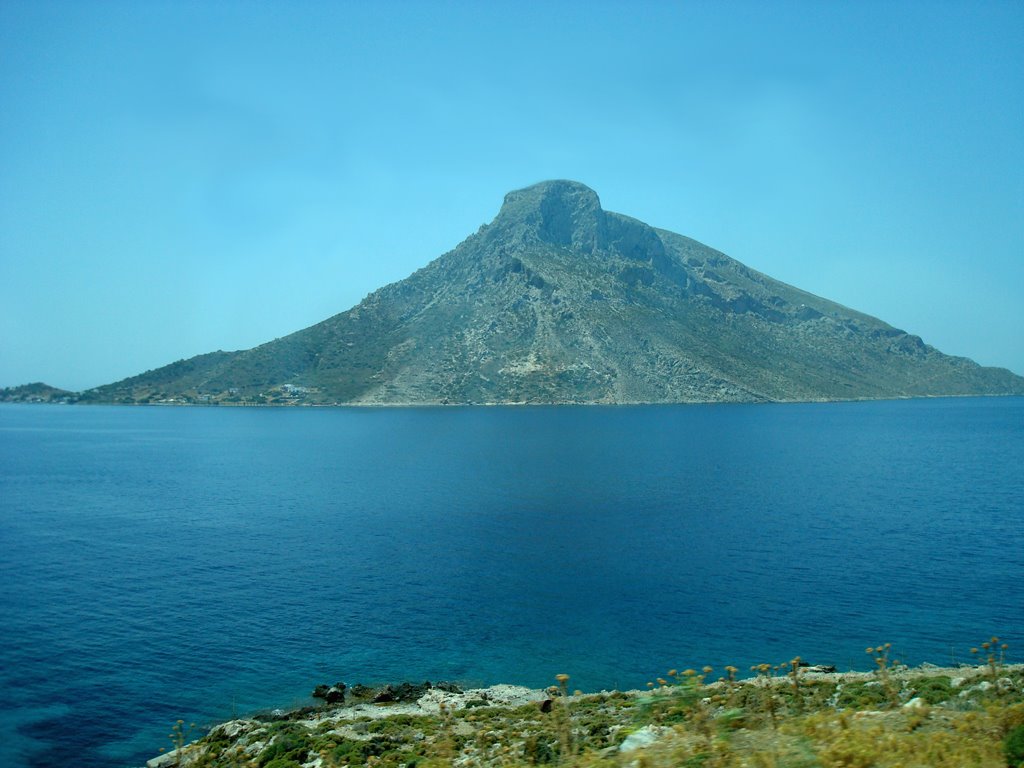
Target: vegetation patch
782, 716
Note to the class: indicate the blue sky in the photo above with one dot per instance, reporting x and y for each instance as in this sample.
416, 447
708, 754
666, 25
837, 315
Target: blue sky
181, 177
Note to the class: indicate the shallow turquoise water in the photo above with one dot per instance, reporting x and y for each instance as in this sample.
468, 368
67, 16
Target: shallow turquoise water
186, 562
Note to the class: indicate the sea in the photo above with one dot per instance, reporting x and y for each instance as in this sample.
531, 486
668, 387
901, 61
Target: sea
165, 563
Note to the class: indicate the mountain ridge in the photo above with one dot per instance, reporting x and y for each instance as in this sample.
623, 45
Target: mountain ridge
559, 301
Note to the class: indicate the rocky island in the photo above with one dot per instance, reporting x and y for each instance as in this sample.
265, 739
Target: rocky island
559, 301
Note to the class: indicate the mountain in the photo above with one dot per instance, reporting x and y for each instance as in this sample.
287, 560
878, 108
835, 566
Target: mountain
37, 392
560, 301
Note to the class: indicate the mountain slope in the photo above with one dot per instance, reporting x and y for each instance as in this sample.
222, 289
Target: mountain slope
559, 301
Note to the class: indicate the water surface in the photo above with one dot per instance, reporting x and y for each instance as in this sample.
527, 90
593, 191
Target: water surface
160, 563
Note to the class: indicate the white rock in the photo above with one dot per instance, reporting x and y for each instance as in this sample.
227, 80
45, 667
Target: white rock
916, 703
956, 682
232, 728
642, 738
432, 701
509, 695
462, 728
163, 761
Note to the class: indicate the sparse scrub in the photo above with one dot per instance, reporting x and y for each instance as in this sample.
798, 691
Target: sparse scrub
995, 656
784, 716
883, 666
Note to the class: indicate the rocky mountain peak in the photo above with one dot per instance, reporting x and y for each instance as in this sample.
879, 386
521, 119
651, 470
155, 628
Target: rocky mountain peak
562, 213
568, 214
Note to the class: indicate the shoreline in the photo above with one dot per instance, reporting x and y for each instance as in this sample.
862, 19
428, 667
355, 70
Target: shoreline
357, 721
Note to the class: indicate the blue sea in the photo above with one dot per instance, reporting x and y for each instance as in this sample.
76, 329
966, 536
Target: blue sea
201, 563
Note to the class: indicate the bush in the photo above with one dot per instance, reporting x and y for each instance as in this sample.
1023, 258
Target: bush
1014, 747
934, 690
283, 762
287, 747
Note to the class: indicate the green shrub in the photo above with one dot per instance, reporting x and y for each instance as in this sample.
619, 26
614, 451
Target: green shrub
934, 690
287, 746
861, 696
1014, 747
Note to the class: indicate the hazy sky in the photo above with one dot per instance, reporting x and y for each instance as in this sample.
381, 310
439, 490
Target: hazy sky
181, 177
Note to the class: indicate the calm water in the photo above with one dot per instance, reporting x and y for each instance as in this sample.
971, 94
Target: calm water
160, 563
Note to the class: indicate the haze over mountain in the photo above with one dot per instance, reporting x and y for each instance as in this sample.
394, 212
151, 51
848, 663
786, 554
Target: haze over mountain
560, 301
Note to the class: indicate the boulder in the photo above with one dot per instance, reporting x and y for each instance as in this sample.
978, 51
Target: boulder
360, 691
642, 738
332, 694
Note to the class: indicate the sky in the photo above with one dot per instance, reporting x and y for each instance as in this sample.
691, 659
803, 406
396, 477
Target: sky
182, 177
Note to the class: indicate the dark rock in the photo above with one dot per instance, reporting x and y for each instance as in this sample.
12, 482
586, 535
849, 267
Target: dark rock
403, 692
411, 691
299, 714
336, 694
333, 694
276, 715
384, 695
545, 706
360, 691
448, 687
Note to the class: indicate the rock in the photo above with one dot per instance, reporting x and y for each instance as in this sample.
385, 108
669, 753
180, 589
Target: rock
403, 692
411, 691
512, 695
462, 728
298, 714
916, 703
443, 685
333, 694
384, 695
360, 691
433, 700
545, 706
642, 738
230, 729
819, 669
956, 682
165, 760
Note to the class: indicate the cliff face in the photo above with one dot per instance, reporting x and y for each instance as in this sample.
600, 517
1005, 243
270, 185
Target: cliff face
560, 301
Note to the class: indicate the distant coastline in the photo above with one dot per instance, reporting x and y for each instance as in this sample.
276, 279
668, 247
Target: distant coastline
44, 394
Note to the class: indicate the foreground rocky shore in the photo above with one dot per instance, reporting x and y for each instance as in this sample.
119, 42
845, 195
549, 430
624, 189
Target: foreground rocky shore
787, 715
